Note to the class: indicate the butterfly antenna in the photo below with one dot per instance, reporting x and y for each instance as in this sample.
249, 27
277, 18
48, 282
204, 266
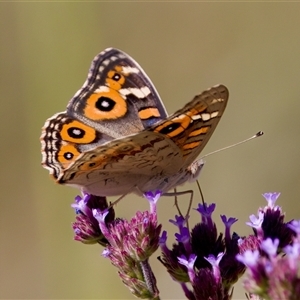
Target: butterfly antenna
260, 133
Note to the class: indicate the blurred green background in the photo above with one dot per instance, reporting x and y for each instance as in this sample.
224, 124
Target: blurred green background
46, 50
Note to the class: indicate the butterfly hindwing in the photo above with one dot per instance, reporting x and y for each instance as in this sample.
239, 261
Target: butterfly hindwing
63, 140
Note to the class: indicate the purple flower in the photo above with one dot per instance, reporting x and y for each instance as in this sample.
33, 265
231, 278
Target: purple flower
189, 264
206, 212
210, 261
228, 223
214, 261
184, 238
179, 221
249, 258
295, 226
211, 266
271, 198
162, 243
153, 197
256, 222
86, 227
270, 247
273, 268
131, 243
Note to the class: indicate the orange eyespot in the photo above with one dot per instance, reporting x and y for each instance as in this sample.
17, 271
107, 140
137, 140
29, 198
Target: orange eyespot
67, 154
175, 126
105, 105
77, 132
115, 80
91, 164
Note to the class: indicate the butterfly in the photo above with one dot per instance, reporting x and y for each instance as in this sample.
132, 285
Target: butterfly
116, 137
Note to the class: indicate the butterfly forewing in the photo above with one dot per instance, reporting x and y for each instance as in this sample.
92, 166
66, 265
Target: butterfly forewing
191, 127
117, 98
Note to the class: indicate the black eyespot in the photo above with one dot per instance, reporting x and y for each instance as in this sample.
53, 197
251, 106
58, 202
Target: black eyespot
92, 164
105, 104
76, 133
68, 155
116, 77
170, 128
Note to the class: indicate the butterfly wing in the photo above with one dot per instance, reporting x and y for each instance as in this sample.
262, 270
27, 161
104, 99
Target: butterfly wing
159, 152
117, 98
63, 139
191, 127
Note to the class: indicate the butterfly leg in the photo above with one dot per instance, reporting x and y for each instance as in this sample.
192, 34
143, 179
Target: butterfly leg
175, 194
117, 201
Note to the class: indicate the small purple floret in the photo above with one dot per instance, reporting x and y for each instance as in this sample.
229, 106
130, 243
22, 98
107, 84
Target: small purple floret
100, 215
295, 226
228, 223
106, 252
179, 221
163, 238
271, 198
214, 261
153, 197
206, 210
81, 204
189, 263
270, 246
249, 258
255, 221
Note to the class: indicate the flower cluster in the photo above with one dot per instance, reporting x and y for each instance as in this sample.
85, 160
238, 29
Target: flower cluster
204, 262
273, 268
129, 244
202, 257
86, 227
